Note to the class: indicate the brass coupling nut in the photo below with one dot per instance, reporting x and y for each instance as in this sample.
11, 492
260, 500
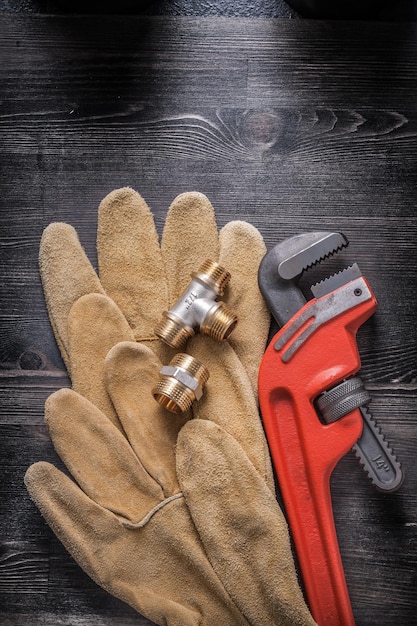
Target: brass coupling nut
180, 383
198, 309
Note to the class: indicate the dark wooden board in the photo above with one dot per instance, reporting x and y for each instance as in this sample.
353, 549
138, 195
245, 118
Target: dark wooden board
291, 125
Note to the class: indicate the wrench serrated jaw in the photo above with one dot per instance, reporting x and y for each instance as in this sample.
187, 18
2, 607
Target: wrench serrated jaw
281, 268
306, 250
336, 280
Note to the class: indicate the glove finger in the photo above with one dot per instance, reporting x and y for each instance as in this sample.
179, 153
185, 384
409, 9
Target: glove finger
95, 325
99, 457
190, 237
229, 402
241, 251
130, 261
83, 527
66, 275
131, 372
241, 526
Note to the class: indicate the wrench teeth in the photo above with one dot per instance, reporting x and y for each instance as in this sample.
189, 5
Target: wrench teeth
306, 250
323, 258
335, 281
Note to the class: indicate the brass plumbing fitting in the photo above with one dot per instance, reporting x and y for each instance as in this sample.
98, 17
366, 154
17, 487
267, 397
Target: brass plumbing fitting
198, 309
181, 382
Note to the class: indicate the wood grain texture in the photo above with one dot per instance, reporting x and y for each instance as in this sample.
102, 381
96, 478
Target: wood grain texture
291, 125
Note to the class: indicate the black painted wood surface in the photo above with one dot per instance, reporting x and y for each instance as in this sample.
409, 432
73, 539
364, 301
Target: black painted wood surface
291, 125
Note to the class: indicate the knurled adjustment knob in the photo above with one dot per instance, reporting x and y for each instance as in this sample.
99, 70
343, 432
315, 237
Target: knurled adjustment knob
342, 399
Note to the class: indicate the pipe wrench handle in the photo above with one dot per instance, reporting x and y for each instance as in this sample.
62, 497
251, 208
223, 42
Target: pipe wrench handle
304, 468
314, 351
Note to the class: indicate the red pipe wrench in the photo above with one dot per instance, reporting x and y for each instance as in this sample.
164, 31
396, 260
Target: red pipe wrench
314, 408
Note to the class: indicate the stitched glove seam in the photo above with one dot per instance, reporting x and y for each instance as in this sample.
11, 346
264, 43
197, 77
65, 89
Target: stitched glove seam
151, 513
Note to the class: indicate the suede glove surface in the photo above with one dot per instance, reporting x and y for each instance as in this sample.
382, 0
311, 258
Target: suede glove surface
176, 517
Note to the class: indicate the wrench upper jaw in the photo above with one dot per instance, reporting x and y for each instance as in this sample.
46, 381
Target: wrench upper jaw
282, 267
307, 249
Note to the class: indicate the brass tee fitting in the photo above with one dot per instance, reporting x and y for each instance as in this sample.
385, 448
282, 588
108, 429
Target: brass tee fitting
181, 382
197, 308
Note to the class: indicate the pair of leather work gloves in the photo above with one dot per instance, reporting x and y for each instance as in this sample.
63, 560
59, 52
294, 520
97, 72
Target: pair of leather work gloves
175, 515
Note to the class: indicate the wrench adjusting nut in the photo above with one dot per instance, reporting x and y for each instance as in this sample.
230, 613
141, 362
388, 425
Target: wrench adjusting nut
181, 383
197, 309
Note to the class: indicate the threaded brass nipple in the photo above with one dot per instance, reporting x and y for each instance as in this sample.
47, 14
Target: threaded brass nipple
181, 382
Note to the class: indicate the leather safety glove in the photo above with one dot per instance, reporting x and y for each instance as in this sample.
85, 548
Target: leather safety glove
186, 536
143, 277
